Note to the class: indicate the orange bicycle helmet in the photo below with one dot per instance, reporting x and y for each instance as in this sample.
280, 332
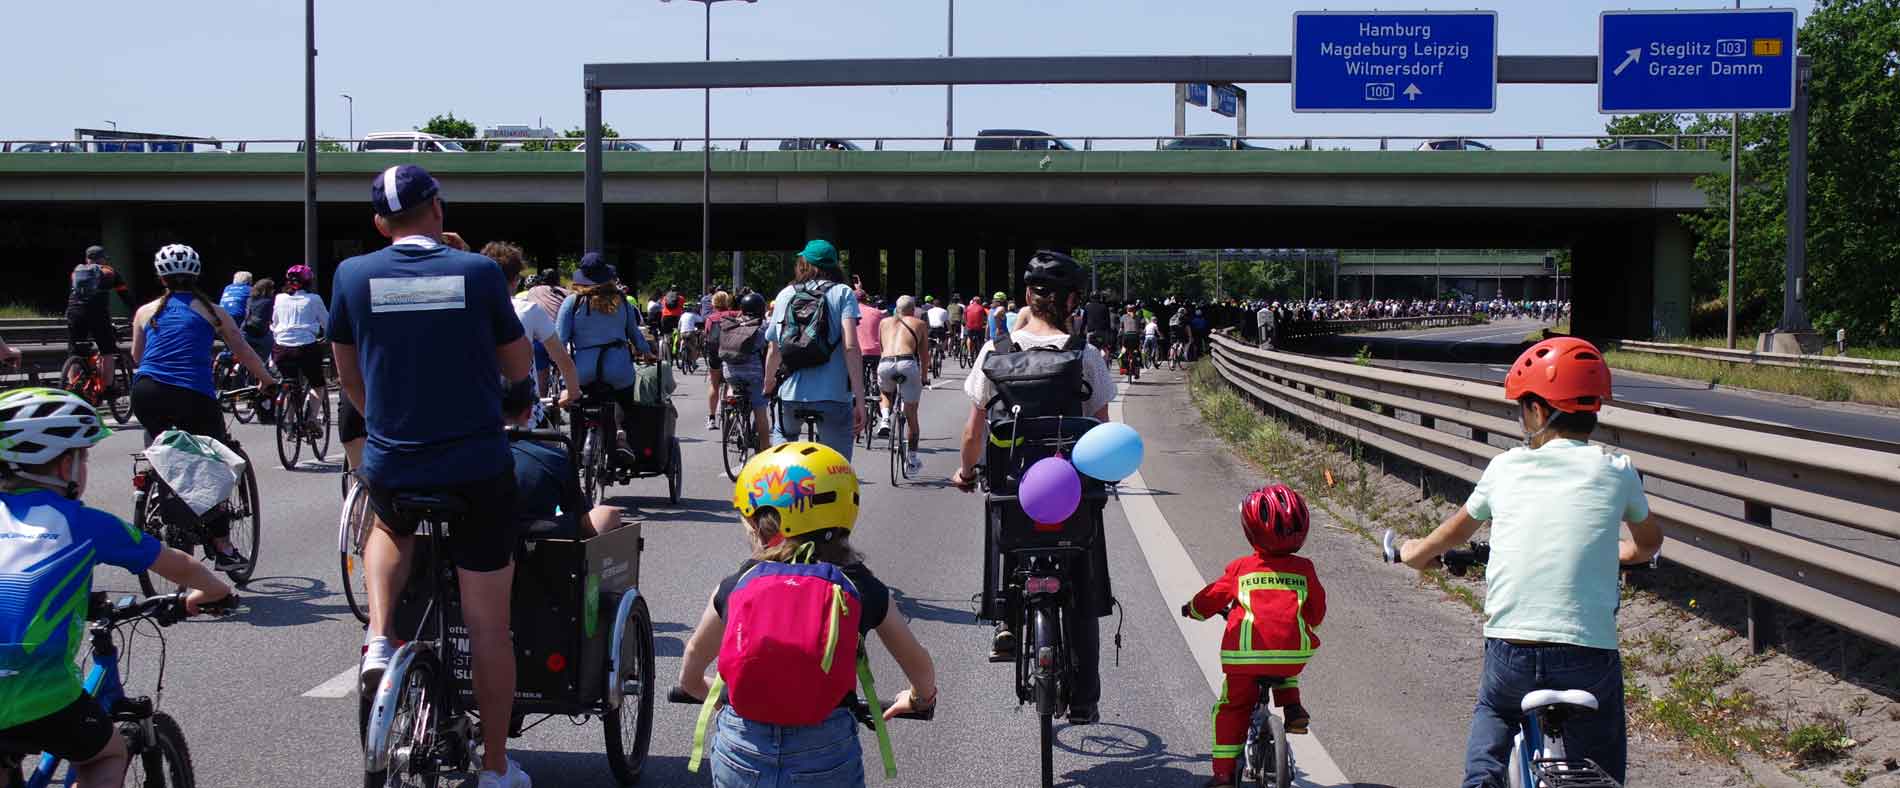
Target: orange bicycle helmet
1567, 372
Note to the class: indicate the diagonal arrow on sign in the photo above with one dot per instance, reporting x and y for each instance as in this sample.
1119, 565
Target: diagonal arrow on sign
1634, 55
1412, 91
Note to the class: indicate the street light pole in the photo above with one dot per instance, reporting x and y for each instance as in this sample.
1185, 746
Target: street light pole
352, 104
114, 124
705, 175
950, 91
310, 138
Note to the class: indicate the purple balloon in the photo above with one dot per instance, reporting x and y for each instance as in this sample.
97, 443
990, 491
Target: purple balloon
1050, 491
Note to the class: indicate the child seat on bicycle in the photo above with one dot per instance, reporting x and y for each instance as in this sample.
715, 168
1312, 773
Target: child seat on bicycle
1273, 601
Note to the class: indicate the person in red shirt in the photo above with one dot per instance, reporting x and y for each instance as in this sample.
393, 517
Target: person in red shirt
1273, 602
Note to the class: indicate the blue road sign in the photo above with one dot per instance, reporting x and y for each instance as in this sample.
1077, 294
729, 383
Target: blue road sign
1426, 61
1226, 100
1696, 61
1197, 93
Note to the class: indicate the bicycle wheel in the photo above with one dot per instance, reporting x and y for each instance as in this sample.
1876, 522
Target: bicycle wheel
352, 526
246, 523
1046, 646
675, 471
244, 409
141, 512
1268, 757
319, 435
74, 376
590, 462
636, 681
733, 441
121, 402
288, 418
166, 763
413, 725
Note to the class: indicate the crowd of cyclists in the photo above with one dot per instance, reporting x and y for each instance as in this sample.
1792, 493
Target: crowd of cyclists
517, 347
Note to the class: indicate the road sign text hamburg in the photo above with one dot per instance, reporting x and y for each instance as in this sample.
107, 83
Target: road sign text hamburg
1378, 62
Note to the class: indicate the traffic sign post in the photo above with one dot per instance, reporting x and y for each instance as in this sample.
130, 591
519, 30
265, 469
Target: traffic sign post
1426, 61
1739, 60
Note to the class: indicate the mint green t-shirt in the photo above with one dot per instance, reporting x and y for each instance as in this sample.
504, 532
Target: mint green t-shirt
1556, 514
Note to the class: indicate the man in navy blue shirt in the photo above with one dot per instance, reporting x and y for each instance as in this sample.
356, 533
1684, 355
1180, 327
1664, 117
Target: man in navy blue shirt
423, 337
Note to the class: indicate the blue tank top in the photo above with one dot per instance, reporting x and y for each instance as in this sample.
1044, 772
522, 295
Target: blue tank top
178, 347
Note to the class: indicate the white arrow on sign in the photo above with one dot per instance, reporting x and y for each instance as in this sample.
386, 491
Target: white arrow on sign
1634, 56
1412, 91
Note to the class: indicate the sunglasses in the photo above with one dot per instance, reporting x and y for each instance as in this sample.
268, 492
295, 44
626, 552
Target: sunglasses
1043, 291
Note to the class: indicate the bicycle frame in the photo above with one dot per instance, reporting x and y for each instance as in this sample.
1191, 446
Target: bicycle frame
446, 716
105, 686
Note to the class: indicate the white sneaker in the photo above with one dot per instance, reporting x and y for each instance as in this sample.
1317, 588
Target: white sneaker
711, 423
914, 465
515, 778
376, 654
884, 427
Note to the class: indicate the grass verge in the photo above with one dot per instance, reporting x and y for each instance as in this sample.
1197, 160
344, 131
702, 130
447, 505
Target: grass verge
1813, 383
11, 310
1746, 343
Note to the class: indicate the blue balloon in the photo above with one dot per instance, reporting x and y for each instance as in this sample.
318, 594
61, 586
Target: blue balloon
1109, 452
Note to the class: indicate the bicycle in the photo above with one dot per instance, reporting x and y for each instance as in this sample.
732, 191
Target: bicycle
80, 375
872, 414
153, 500
737, 437
303, 416
1538, 756
159, 756
1177, 353
228, 375
936, 356
900, 434
353, 524
594, 420
1130, 362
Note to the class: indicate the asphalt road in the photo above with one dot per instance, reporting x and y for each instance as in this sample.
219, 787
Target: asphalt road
265, 698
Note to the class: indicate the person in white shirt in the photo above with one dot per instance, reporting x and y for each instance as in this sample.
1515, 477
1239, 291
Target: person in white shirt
536, 322
1151, 341
690, 322
297, 320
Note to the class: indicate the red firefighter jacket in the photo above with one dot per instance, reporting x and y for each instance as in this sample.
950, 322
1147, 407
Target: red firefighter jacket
1278, 603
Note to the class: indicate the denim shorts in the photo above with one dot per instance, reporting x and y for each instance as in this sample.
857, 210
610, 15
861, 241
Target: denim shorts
747, 754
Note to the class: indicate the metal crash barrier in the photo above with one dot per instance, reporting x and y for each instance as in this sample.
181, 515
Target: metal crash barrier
1445, 425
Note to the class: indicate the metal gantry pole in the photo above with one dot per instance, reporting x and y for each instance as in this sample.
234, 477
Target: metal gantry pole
950, 91
310, 138
705, 175
594, 216
1794, 310
1734, 156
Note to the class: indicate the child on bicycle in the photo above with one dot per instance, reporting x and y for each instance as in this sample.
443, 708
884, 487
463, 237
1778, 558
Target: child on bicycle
49, 543
1555, 506
795, 499
1273, 602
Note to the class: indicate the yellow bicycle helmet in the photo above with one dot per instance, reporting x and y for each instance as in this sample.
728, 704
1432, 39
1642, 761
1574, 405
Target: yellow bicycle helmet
810, 485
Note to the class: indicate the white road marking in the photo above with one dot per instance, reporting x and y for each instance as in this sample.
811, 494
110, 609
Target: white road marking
341, 685
1177, 579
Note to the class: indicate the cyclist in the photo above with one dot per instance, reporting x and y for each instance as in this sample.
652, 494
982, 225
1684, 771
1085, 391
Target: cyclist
672, 305
1130, 326
1554, 505
1053, 285
49, 543
871, 317
536, 321
1178, 327
719, 307
940, 322
1151, 341
601, 329
297, 321
173, 386
418, 310
997, 325
89, 314
547, 293
256, 329
907, 354
749, 317
1097, 322
835, 387
236, 298
780, 522
975, 325
690, 321
954, 311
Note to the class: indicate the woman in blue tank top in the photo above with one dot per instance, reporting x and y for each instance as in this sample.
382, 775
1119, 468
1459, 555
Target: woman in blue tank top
171, 349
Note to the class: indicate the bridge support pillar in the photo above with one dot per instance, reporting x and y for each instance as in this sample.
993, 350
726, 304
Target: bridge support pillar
969, 270
935, 279
865, 263
1611, 293
115, 234
995, 271
1671, 248
900, 273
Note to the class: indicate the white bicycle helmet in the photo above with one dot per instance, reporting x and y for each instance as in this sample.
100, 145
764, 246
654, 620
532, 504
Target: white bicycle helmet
177, 259
39, 424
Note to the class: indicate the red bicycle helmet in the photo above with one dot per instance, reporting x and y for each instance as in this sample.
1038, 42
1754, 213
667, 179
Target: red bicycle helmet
1275, 520
1567, 372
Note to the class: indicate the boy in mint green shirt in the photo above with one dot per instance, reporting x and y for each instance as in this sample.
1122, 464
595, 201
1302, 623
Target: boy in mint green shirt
1556, 507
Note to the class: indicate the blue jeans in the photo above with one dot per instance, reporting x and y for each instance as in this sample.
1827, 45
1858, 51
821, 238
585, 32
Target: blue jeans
748, 754
1511, 671
834, 431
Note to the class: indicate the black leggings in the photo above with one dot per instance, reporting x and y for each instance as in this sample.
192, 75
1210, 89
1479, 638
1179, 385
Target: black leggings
160, 407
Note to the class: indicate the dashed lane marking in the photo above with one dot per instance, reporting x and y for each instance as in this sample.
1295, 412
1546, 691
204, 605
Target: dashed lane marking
341, 685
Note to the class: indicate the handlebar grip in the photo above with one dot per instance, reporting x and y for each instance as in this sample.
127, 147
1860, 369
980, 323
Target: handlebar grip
677, 695
223, 607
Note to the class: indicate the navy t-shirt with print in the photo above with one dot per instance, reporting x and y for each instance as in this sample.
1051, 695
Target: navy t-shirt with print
425, 322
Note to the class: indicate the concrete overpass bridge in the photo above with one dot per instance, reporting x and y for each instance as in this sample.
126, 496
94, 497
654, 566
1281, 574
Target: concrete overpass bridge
964, 214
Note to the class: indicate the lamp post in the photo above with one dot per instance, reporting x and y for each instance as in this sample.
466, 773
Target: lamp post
114, 124
352, 105
310, 137
950, 91
705, 176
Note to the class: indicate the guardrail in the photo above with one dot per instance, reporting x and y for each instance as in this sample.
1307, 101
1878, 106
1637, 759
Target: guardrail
1446, 426
1599, 142
1312, 328
1856, 366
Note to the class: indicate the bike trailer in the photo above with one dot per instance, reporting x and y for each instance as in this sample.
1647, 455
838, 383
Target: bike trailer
650, 430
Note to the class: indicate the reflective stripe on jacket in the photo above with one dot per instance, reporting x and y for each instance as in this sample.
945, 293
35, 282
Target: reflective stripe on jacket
1278, 603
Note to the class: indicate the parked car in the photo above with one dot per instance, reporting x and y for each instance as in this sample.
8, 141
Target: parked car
408, 142
1636, 143
615, 145
48, 147
1018, 139
816, 143
1453, 144
1208, 142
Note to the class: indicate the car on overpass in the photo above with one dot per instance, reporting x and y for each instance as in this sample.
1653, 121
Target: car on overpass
615, 146
1636, 143
46, 147
1207, 142
817, 143
1453, 143
1018, 139
408, 142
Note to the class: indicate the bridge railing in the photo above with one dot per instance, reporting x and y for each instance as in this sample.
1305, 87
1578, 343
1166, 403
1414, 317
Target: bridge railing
1039, 143
1699, 474
1313, 328
1857, 366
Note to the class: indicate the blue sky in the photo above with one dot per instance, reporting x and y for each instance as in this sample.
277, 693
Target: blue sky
233, 68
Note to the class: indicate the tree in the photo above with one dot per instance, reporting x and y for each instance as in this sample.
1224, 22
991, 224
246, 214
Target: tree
452, 127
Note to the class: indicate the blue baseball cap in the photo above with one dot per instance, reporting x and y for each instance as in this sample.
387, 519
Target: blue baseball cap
821, 253
402, 187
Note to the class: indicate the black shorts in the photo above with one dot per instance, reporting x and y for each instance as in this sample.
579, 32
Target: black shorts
96, 329
302, 360
76, 733
162, 406
349, 423
484, 539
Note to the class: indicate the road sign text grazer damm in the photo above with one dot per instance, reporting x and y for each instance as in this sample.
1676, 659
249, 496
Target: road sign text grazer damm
1696, 61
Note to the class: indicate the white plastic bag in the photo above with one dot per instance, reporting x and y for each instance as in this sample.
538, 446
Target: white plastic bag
199, 470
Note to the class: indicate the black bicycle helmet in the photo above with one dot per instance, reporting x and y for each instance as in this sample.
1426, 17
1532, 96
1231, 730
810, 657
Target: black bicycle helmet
1055, 269
752, 304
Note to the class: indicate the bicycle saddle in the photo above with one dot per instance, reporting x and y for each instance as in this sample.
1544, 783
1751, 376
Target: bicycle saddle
1576, 699
440, 503
803, 414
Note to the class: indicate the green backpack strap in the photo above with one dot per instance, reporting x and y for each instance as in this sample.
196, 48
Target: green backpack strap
877, 717
705, 719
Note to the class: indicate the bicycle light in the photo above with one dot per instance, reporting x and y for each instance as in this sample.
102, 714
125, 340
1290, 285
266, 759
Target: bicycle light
556, 662
139, 481
1043, 585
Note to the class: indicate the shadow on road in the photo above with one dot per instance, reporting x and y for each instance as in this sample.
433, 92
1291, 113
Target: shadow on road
288, 602
1130, 755
944, 611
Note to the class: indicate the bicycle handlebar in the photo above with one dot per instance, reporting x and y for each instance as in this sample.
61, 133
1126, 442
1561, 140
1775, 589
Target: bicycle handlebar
859, 709
164, 609
1460, 560
551, 436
